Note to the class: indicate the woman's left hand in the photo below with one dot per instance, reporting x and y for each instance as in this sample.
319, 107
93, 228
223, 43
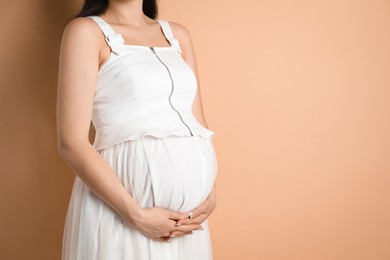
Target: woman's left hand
199, 214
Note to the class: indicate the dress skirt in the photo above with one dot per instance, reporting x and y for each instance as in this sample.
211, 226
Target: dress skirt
174, 172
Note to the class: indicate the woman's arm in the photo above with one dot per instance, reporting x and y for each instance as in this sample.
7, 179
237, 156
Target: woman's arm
78, 68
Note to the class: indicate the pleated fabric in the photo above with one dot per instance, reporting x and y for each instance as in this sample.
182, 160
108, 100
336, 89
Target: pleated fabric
175, 172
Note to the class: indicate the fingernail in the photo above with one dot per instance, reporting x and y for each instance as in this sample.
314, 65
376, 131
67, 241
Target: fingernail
177, 224
201, 228
173, 235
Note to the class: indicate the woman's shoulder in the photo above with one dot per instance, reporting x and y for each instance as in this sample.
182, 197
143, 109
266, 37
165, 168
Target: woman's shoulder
183, 35
179, 30
82, 25
81, 30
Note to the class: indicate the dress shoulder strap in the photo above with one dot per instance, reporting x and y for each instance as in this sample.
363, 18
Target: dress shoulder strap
113, 39
167, 30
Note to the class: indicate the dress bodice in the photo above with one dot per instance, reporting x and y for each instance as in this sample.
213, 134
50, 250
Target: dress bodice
144, 90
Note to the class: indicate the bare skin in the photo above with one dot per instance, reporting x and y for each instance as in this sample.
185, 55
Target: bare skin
82, 54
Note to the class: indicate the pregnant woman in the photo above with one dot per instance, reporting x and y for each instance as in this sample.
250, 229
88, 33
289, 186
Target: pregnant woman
146, 186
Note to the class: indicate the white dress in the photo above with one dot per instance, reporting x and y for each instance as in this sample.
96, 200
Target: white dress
164, 157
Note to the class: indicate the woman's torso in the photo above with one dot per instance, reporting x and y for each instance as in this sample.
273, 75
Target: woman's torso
144, 90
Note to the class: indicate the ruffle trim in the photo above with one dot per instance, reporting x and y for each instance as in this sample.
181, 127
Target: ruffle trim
108, 141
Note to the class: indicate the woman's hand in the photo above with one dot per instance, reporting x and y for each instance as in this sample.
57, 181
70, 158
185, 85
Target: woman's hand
157, 223
199, 215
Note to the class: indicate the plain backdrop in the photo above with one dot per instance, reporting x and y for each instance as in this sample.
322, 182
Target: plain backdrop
298, 93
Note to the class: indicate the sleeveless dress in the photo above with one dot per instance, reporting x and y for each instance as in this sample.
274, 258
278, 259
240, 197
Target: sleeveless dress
164, 157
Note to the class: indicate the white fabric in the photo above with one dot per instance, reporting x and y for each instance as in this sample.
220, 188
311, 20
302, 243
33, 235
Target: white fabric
175, 172
133, 88
155, 156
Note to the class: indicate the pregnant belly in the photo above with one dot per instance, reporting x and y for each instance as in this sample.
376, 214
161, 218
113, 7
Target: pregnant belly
175, 172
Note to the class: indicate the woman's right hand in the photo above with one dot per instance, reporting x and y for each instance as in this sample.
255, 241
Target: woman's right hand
157, 223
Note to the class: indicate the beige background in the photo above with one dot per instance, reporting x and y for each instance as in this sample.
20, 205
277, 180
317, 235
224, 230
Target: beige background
298, 93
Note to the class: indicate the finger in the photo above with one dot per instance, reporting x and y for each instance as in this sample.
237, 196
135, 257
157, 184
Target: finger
183, 215
160, 239
199, 210
180, 233
163, 239
195, 212
187, 228
198, 220
175, 215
